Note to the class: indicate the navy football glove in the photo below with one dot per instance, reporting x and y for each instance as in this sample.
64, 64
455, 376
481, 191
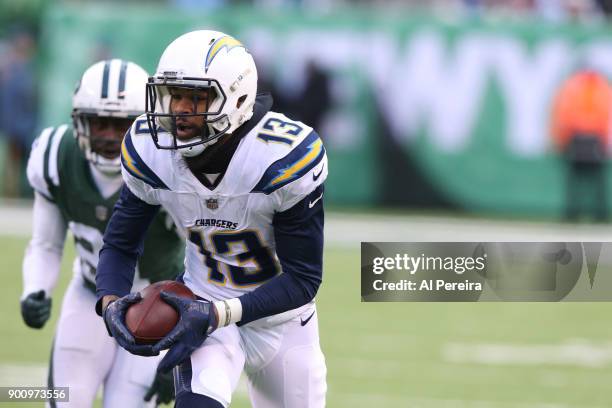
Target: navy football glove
163, 387
36, 309
114, 318
197, 319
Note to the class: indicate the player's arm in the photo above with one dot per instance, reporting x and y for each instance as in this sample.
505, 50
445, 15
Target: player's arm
298, 233
42, 260
123, 244
41, 263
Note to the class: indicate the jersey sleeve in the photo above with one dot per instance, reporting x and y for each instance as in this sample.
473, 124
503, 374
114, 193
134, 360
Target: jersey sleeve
295, 183
138, 176
123, 244
43, 256
298, 233
42, 169
296, 192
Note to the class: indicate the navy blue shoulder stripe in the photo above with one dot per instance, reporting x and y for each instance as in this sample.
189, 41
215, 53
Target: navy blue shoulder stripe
136, 166
298, 162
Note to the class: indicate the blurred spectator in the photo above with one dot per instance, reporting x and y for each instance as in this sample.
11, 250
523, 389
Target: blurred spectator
308, 102
18, 104
581, 9
102, 50
272, 4
553, 10
605, 6
265, 84
315, 100
580, 128
198, 4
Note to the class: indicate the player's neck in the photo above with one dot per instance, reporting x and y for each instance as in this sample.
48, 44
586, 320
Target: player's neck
216, 158
107, 184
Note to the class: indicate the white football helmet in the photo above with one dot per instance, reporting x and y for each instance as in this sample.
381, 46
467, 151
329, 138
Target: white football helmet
112, 89
202, 60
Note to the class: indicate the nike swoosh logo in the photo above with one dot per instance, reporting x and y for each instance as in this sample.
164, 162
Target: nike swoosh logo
315, 177
312, 203
305, 322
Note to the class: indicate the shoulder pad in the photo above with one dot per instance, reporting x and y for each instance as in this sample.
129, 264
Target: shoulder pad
43, 168
277, 129
137, 150
306, 152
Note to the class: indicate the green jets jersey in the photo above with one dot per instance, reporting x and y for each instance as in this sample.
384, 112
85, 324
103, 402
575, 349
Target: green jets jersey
58, 170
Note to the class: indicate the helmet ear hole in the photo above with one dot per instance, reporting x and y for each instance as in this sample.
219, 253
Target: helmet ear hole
240, 101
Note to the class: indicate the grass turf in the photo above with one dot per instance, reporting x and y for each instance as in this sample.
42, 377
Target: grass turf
401, 354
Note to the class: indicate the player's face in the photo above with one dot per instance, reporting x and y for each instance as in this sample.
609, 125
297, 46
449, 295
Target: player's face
189, 101
107, 135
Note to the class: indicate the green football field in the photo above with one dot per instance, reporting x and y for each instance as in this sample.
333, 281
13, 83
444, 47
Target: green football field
522, 355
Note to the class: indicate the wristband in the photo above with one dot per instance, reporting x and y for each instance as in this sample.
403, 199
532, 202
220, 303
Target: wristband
229, 311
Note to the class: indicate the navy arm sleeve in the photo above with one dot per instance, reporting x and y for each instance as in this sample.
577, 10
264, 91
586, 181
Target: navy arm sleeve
123, 244
298, 233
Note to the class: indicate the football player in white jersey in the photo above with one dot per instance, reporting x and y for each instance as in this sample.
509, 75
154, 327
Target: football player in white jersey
246, 185
76, 175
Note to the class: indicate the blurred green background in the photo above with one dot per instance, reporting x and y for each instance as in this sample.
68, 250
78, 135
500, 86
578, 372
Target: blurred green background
419, 109
423, 112
437, 111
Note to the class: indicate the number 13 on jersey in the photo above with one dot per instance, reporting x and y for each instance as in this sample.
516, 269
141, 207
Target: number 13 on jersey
253, 263
280, 131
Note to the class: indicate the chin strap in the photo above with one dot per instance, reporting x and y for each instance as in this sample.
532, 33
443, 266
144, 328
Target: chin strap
191, 151
194, 150
110, 167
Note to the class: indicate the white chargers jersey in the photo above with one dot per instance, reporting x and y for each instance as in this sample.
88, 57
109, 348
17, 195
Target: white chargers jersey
230, 248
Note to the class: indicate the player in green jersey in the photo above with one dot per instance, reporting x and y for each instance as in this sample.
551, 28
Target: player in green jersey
76, 175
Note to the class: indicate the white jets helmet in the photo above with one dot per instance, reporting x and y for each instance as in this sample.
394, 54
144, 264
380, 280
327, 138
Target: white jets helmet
114, 89
202, 60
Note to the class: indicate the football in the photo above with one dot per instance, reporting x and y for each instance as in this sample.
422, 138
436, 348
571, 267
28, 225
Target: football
151, 319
